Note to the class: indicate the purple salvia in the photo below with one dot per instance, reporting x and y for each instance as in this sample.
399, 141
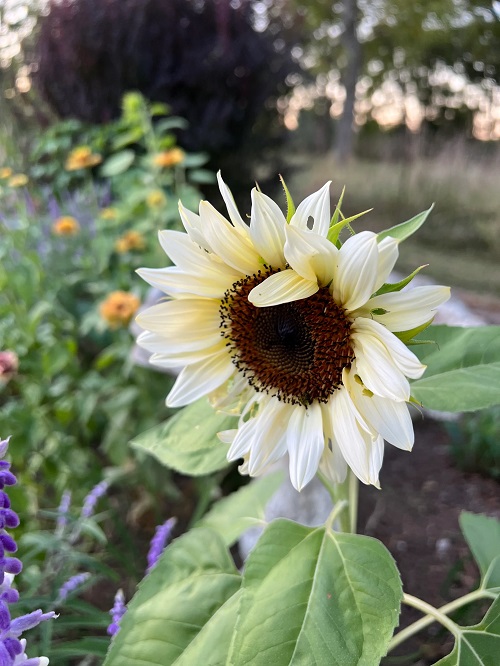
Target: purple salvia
159, 541
72, 584
62, 512
117, 612
91, 500
12, 647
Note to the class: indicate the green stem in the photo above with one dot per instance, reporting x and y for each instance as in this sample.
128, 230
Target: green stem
435, 615
339, 492
335, 512
353, 501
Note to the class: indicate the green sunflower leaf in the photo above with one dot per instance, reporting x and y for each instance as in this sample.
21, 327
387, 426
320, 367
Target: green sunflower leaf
483, 537
188, 441
290, 206
312, 596
184, 610
463, 369
234, 514
406, 229
478, 645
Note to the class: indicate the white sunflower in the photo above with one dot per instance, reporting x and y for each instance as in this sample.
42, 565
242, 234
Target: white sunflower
274, 317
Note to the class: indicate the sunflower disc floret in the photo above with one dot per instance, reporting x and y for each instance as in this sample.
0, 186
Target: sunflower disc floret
273, 320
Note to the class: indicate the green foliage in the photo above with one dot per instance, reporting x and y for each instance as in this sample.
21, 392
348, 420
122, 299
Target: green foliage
293, 604
483, 536
406, 229
463, 369
475, 442
188, 441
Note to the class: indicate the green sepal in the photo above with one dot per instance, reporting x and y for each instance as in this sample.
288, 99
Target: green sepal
405, 229
290, 206
407, 336
390, 287
335, 229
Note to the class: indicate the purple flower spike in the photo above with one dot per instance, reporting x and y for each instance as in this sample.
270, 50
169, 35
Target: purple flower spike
91, 500
12, 647
72, 584
159, 541
117, 612
62, 512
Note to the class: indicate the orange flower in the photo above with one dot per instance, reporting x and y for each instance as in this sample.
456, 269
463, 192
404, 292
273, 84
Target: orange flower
82, 158
119, 308
156, 199
5, 172
66, 226
131, 240
108, 214
18, 180
169, 158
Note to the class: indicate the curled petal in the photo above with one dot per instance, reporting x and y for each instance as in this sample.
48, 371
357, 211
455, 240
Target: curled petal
314, 212
282, 287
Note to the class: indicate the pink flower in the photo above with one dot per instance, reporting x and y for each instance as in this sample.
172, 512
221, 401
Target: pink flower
9, 364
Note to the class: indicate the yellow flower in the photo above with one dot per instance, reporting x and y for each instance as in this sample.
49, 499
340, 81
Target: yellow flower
119, 308
6, 172
82, 158
156, 199
18, 180
66, 226
169, 158
108, 214
131, 240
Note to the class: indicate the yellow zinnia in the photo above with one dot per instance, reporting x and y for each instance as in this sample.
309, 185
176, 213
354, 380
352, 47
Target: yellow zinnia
131, 240
169, 158
5, 173
18, 180
82, 158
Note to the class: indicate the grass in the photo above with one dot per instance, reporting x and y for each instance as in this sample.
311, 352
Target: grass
460, 240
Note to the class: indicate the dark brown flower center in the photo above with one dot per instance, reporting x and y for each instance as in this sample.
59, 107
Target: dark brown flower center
296, 351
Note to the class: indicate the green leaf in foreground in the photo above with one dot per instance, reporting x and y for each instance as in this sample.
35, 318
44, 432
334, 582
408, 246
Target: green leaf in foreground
231, 516
463, 369
188, 441
478, 645
406, 229
182, 613
483, 536
311, 596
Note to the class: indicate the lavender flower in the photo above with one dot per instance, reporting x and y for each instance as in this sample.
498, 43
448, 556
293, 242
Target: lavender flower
117, 612
91, 500
62, 512
12, 648
156, 548
72, 584
159, 541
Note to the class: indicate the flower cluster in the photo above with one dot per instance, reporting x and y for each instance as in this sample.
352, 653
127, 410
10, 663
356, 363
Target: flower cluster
130, 241
12, 647
278, 321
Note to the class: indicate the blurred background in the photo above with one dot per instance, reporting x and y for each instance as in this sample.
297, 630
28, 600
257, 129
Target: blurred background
112, 110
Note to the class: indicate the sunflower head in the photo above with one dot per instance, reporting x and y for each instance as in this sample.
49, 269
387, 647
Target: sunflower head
300, 331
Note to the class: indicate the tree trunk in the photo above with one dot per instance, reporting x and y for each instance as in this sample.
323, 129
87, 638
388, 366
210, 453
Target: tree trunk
344, 142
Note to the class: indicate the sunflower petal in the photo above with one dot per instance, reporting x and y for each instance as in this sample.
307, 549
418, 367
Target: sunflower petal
267, 228
283, 287
232, 209
408, 309
314, 212
357, 266
199, 379
305, 443
311, 256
